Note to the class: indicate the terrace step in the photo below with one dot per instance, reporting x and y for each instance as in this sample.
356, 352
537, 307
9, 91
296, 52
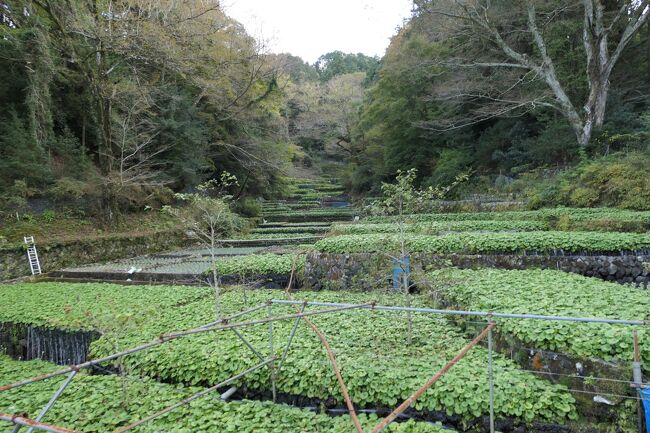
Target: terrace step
281, 224
292, 229
348, 216
270, 242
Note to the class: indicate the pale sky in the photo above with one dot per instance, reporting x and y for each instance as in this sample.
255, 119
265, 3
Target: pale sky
310, 28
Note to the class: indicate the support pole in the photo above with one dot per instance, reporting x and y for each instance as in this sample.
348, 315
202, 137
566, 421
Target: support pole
248, 344
234, 316
50, 403
272, 353
491, 378
293, 333
637, 378
339, 376
192, 397
409, 401
474, 313
328, 349
27, 422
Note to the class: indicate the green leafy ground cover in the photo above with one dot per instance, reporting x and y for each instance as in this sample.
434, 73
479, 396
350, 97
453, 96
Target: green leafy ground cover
301, 204
440, 226
280, 206
260, 264
377, 367
97, 404
556, 293
74, 306
575, 214
312, 213
305, 189
487, 243
310, 196
61, 227
323, 210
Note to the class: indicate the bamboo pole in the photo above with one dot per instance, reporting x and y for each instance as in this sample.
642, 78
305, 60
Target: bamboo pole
330, 355
28, 422
409, 401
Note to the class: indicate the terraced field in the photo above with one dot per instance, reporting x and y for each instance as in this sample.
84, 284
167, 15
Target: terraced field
294, 223
549, 375
103, 412
369, 347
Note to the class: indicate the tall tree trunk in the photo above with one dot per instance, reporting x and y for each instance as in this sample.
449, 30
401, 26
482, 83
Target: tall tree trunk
109, 200
600, 61
648, 44
594, 109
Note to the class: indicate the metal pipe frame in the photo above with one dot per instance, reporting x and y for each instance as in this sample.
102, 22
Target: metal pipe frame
248, 344
50, 403
234, 316
293, 333
473, 313
28, 422
491, 378
173, 336
193, 397
272, 354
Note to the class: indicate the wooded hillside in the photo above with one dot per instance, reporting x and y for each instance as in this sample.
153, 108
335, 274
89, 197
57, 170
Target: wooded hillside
111, 107
508, 88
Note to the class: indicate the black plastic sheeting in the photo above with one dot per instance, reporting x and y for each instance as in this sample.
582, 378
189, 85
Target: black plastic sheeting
26, 342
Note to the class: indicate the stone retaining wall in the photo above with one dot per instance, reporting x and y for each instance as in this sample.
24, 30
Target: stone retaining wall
608, 381
58, 255
364, 271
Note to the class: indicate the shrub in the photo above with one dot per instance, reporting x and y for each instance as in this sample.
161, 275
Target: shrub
619, 180
247, 207
67, 187
49, 215
260, 264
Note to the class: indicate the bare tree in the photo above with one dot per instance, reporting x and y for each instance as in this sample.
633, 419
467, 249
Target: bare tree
149, 43
513, 52
136, 169
328, 111
208, 215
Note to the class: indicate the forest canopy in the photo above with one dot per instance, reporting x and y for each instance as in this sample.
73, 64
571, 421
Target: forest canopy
506, 88
112, 107
119, 103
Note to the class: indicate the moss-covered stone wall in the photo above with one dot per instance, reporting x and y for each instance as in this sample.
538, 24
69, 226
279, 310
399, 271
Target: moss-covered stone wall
364, 271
